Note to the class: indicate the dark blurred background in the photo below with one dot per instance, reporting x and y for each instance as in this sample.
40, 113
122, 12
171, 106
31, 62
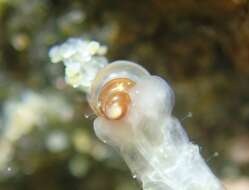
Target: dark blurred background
200, 47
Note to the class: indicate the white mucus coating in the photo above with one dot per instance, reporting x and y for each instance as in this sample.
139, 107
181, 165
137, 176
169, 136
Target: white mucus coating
153, 142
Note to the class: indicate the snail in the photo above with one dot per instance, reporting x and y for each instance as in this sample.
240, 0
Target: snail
134, 115
109, 95
134, 110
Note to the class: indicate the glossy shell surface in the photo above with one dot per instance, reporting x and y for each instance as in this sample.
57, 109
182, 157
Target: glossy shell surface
109, 96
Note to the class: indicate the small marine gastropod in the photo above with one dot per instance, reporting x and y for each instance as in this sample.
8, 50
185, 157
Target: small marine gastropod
114, 98
129, 103
109, 96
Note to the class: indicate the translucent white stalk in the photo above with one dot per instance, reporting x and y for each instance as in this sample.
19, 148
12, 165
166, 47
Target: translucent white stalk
152, 142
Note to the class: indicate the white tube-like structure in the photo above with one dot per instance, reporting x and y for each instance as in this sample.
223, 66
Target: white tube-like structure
152, 142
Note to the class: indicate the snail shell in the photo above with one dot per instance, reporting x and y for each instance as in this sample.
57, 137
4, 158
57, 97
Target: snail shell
109, 96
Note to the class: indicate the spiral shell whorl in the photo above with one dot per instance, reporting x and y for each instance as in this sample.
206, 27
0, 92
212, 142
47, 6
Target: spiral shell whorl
114, 98
109, 95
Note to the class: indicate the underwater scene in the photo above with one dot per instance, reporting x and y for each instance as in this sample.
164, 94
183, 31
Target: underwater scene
124, 95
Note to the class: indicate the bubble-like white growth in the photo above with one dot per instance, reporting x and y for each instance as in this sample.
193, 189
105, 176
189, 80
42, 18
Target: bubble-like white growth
153, 142
82, 60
